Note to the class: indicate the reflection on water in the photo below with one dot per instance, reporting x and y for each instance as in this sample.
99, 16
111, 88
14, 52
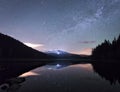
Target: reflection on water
84, 66
74, 78
30, 73
56, 68
11, 70
110, 72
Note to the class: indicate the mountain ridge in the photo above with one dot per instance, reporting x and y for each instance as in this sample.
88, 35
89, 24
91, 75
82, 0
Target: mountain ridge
64, 55
11, 48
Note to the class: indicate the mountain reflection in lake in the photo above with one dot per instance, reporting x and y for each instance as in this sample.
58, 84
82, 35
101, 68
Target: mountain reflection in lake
74, 78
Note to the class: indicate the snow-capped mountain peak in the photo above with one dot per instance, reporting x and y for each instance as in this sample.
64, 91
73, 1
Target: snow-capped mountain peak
58, 52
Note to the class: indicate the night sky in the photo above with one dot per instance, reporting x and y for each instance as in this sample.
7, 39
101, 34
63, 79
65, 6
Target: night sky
75, 26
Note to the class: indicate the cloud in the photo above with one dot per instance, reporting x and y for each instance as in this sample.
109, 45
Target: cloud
33, 45
87, 42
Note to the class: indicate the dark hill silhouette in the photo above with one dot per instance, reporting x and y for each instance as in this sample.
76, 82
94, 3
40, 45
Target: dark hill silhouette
11, 48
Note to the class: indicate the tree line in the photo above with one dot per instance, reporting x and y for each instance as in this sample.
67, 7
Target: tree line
107, 50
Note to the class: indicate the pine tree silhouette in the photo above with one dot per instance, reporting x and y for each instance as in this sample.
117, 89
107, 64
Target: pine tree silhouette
107, 50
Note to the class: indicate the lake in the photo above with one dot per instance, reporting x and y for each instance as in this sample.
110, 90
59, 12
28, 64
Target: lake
57, 77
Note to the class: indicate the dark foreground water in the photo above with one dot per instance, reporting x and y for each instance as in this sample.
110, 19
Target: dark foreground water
101, 77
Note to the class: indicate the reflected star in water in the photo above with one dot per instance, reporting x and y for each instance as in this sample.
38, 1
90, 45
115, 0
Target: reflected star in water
55, 66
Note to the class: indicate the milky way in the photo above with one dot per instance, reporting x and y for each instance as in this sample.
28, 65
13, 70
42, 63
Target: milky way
71, 25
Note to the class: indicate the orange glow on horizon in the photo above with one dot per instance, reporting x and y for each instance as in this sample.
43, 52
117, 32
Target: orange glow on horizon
40, 47
86, 51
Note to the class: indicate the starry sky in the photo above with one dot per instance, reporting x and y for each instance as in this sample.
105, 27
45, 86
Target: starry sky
75, 26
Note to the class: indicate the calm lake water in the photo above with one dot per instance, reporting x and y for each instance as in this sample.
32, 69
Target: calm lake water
73, 78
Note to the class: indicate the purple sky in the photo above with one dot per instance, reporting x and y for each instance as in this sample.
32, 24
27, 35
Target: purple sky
72, 25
